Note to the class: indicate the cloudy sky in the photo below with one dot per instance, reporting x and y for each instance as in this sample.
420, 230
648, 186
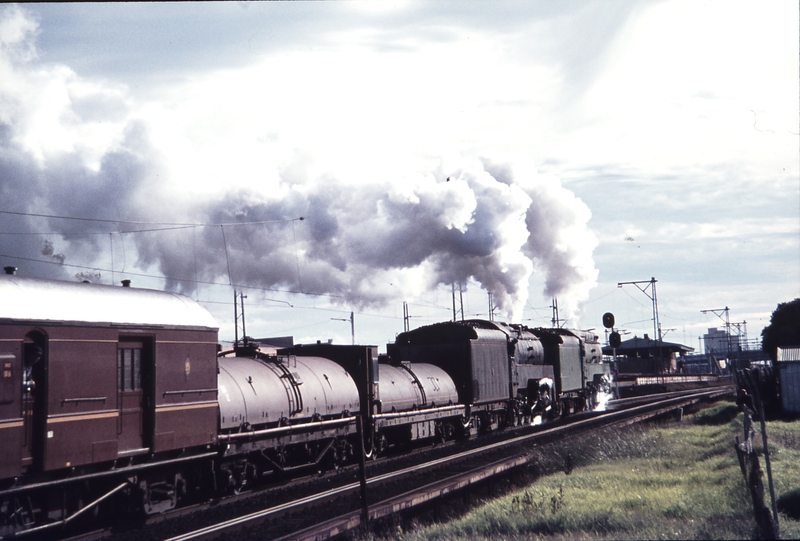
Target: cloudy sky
532, 150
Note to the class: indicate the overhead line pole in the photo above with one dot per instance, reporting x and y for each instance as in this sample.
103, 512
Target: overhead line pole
238, 316
555, 321
727, 319
352, 326
653, 296
454, 301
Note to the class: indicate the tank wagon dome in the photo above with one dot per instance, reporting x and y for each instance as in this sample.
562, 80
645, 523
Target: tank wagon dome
34, 299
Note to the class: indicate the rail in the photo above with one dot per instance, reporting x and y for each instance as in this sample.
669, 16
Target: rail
424, 494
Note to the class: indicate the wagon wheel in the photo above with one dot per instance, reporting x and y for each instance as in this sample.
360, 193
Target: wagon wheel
440, 432
22, 515
281, 455
369, 446
340, 454
237, 479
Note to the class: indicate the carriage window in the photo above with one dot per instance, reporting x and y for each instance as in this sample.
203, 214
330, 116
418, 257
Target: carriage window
129, 368
7, 380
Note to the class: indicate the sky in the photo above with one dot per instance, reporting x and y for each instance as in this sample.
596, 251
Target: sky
323, 158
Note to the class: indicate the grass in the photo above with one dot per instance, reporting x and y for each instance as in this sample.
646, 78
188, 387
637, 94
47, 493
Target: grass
676, 480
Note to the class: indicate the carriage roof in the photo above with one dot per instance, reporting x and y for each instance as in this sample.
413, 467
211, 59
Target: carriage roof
33, 299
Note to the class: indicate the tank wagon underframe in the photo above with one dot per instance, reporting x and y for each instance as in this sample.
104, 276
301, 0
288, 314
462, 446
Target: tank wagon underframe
278, 438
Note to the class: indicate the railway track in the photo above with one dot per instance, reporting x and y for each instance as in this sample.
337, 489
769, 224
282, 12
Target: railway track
339, 508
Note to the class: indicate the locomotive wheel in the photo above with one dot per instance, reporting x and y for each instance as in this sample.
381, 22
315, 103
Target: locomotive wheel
563, 408
516, 416
591, 394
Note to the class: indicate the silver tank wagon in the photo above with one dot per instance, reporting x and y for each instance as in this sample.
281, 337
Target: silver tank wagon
260, 392
414, 386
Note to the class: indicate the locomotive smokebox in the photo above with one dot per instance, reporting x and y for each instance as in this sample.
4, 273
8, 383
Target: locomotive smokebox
10, 270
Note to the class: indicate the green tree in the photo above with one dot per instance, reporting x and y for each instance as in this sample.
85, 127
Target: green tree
783, 329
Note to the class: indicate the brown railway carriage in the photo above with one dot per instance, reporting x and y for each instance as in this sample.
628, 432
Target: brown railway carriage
94, 373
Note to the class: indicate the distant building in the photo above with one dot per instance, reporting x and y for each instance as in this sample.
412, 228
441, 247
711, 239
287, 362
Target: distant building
743, 352
716, 343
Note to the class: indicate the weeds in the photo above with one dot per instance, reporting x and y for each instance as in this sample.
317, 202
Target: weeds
528, 504
677, 480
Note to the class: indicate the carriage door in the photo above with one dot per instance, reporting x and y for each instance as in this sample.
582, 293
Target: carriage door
34, 399
133, 359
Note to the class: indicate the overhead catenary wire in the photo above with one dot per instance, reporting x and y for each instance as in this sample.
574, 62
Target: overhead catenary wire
421, 318
149, 230
139, 222
168, 226
161, 226
170, 278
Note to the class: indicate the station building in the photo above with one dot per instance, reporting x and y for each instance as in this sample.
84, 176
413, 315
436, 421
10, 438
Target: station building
647, 356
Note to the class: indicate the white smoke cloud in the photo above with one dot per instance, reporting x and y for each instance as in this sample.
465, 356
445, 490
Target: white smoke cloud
17, 29
86, 148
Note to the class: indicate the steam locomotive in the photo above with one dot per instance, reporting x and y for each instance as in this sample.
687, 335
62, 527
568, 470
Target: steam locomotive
120, 398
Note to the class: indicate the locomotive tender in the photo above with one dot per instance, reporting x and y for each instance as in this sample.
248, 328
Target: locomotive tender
121, 397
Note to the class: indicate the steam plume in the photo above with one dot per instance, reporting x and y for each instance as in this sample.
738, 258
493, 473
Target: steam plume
397, 236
